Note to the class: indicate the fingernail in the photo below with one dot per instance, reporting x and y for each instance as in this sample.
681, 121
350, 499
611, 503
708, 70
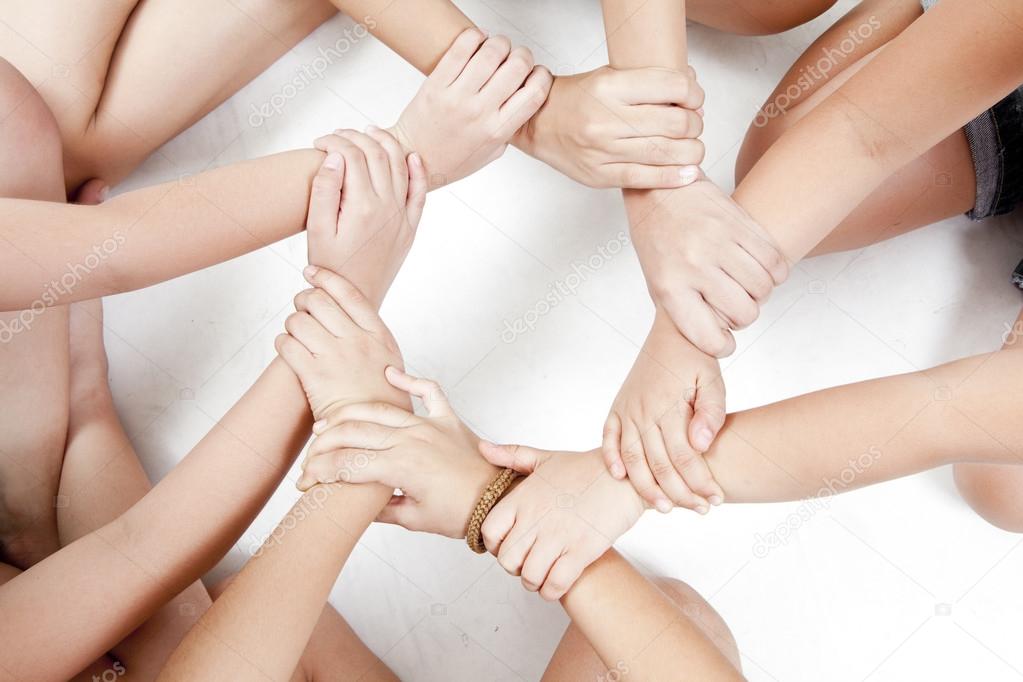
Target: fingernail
688, 175
702, 510
617, 470
318, 426
703, 438
416, 159
310, 271
664, 506
333, 161
700, 112
715, 500
103, 194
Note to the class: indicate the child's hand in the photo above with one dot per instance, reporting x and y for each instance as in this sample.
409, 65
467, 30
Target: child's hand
338, 346
463, 116
665, 417
707, 263
364, 208
620, 128
432, 459
560, 519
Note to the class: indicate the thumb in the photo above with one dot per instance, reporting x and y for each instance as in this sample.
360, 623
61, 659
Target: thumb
708, 414
520, 458
399, 511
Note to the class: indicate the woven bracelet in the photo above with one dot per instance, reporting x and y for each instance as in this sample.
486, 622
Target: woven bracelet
490, 497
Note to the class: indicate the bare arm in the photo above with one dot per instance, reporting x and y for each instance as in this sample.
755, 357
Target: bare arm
634, 626
923, 86
58, 253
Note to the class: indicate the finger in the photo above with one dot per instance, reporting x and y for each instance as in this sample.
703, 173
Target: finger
566, 570
356, 178
348, 297
611, 447
353, 434
377, 162
698, 322
731, 300
395, 160
673, 431
664, 473
659, 151
418, 185
498, 524
509, 77
326, 311
538, 563
458, 55
763, 250
634, 458
428, 391
639, 176
740, 266
658, 86
400, 510
325, 196
309, 332
515, 457
484, 64
353, 465
525, 101
384, 414
294, 354
658, 120
708, 419
514, 549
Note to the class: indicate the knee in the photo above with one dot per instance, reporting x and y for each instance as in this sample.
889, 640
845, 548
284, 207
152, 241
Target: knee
993, 491
30, 147
702, 614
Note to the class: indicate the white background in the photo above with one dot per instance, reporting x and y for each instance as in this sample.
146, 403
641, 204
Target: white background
898, 582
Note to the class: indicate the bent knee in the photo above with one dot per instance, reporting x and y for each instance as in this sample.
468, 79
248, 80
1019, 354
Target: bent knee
30, 149
702, 614
993, 491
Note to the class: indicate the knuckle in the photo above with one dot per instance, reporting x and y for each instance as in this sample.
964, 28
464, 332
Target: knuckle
633, 458
291, 322
661, 468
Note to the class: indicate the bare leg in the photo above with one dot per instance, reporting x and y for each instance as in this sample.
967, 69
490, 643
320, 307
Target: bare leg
939, 185
993, 490
333, 647
755, 17
127, 76
33, 344
576, 660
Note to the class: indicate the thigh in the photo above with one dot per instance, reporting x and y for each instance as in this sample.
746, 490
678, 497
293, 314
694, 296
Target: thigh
33, 343
755, 17
576, 660
938, 185
175, 61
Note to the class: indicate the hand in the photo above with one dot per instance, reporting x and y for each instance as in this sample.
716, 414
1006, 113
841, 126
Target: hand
665, 417
364, 208
620, 128
338, 346
432, 459
470, 106
707, 263
560, 519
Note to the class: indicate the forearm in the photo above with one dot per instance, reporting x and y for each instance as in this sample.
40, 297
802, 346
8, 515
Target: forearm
643, 33
58, 253
844, 438
923, 86
95, 591
418, 30
263, 621
633, 626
